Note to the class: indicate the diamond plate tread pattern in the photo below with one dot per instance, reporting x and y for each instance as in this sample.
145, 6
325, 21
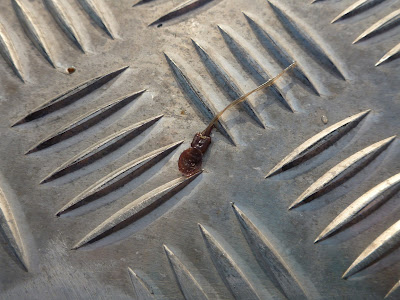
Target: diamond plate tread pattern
11, 232
270, 39
233, 277
127, 221
379, 248
393, 291
96, 10
305, 39
362, 207
357, 8
203, 105
269, 259
63, 19
136, 210
9, 52
380, 27
246, 55
33, 31
181, 9
318, 143
119, 177
391, 55
85, 122
101, 149
70, 96
38, 33
342, 172
385, 24
187, 284
142, 291
225, 80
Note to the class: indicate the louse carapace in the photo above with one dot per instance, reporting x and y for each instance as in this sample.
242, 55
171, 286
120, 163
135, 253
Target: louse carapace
191, 160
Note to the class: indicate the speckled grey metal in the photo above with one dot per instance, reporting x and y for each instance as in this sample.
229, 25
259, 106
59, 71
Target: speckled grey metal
155, 235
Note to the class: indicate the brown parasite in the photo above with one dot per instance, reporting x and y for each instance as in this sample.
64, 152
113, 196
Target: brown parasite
190, 160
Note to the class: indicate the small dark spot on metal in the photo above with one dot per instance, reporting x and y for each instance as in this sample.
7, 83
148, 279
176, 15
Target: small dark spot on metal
71, 70
183, 112
159, 25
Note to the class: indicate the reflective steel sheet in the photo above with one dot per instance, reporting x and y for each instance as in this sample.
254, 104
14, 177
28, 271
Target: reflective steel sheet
298, 198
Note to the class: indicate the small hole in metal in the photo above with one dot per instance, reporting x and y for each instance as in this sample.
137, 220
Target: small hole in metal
159, 25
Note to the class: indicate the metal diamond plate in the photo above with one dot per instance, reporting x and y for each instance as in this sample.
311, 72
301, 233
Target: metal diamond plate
298, 197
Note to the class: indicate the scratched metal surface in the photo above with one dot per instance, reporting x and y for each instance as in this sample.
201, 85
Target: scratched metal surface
123, 224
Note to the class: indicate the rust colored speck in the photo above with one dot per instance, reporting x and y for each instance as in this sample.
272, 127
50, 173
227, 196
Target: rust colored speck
71, 70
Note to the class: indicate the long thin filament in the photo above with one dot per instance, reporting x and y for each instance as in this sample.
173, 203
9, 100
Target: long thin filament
243, 98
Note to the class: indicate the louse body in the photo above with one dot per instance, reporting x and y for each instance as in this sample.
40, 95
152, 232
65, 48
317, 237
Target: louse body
190, 161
